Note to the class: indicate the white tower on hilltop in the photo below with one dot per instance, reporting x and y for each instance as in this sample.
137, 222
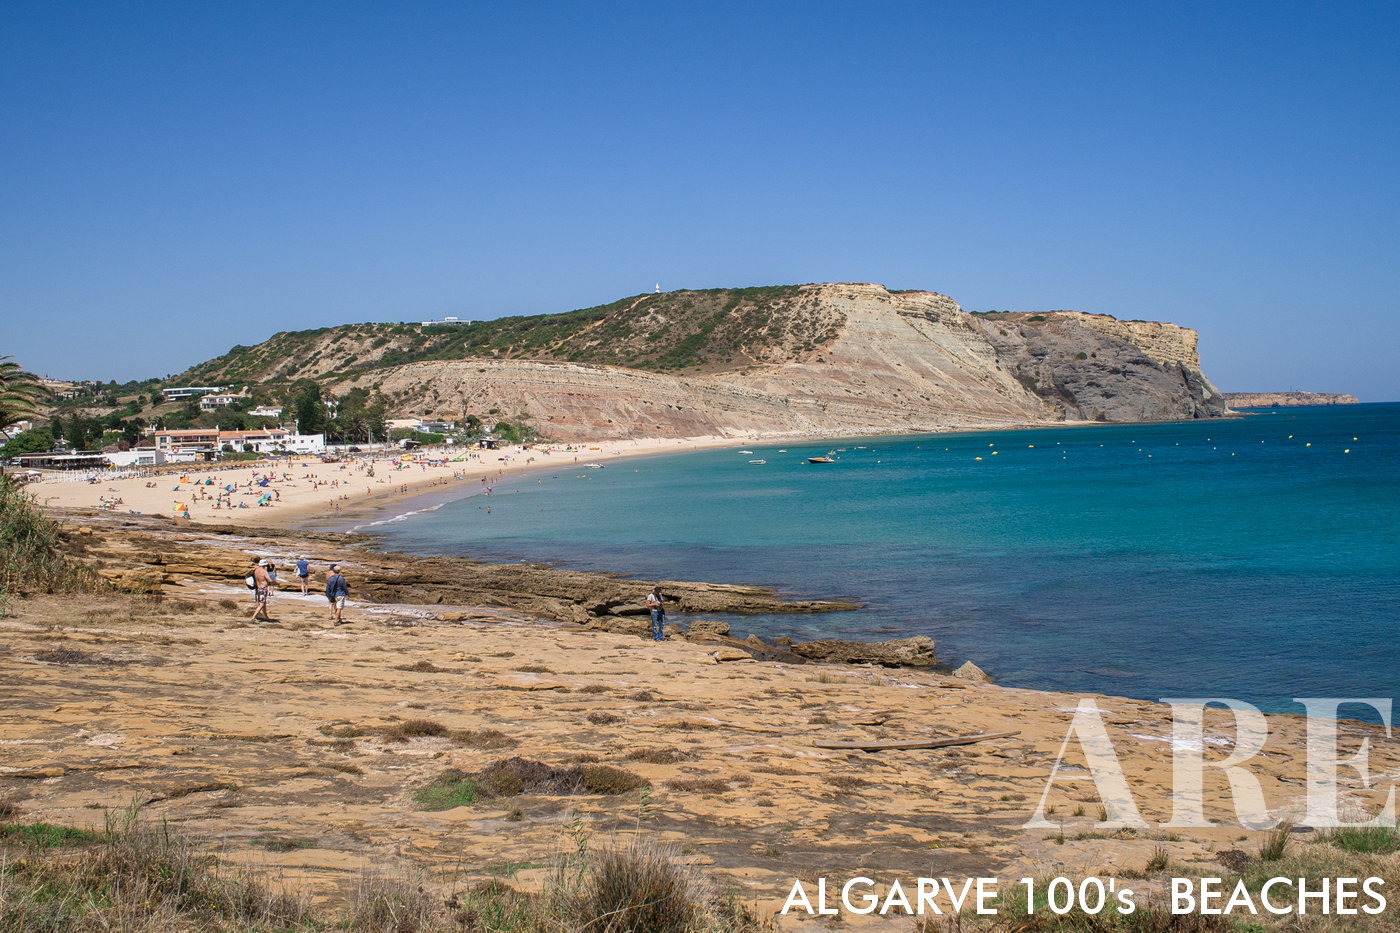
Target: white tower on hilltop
658, 288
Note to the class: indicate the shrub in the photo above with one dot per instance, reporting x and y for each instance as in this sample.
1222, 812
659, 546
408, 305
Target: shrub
511, 777
31, 554
450, 789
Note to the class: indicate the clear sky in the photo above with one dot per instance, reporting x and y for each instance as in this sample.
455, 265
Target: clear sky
177, 178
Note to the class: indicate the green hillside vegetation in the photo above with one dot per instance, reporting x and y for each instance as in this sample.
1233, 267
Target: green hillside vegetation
708, 330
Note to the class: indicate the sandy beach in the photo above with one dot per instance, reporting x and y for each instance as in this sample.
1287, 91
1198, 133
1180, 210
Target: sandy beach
308, 490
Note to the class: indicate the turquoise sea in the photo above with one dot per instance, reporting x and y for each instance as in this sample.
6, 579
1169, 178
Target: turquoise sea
1253, 558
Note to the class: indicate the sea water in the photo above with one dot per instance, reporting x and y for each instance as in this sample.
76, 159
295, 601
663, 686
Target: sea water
1254, 558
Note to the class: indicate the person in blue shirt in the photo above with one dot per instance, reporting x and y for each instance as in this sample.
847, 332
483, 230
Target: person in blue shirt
303, 572
337, 589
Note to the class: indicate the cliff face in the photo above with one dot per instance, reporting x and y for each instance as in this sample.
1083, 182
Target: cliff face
1287, 399
1091, 367
846, 359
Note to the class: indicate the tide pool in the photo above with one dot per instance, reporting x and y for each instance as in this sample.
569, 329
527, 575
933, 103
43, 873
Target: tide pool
1254, 558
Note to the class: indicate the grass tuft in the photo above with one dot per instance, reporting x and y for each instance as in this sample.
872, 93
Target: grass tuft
1369, 840
1275, 845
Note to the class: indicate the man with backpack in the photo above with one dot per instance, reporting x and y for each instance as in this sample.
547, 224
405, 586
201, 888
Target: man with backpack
337, 589
262, 579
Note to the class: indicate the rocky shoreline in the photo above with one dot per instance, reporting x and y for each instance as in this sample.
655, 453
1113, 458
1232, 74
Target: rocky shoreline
329, 752
151, 554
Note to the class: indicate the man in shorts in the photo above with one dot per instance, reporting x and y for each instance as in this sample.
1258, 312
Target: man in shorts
303, 572
263, 582
337, 589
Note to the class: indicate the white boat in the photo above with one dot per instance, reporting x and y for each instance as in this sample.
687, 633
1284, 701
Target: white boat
746, 451
758, 461
592, 466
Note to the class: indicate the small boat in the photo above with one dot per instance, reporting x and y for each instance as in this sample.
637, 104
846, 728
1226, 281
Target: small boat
783, 451
746, 451
821, 460
592, 466
758, 461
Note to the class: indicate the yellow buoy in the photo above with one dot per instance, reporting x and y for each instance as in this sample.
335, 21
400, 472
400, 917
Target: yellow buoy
1347, 451
976, 458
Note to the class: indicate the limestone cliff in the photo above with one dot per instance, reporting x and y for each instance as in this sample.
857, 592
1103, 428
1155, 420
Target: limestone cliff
843, 358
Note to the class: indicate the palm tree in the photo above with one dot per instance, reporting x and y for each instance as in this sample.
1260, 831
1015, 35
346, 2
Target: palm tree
20, 392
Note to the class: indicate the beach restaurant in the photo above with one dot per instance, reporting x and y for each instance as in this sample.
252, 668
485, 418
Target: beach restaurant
210, 440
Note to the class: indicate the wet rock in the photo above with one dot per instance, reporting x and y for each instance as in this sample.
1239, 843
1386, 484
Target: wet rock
917, 651
708, 626
621, 626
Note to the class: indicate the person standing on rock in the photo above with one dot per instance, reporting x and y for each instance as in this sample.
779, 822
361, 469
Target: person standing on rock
656, 605
337, 589
263, 582
303, 572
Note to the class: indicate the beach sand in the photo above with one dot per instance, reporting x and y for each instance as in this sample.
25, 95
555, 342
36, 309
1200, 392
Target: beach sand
307, 490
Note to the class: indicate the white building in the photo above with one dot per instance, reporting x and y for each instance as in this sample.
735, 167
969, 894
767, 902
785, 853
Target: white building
136, 457
447, 320
303, 444
211, 402
266, 411
175, 394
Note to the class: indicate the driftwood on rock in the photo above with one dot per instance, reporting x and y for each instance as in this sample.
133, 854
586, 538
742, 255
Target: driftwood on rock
915, 743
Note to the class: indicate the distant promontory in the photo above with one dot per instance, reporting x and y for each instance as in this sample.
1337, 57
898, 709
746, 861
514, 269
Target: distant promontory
1287, 399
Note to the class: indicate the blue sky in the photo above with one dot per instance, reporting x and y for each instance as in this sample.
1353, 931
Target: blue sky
176, 178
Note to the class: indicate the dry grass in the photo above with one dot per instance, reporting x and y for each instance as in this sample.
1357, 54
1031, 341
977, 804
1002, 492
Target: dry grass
413, 729
424, 667
641, 887
603, 719
482, 738
77, 656
138, 878
847, 782
658, 756
1275, 845
710, 785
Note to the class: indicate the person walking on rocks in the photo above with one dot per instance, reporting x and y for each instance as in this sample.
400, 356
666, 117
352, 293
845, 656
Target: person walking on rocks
337, 589
263, 582
656, 605
303, 572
